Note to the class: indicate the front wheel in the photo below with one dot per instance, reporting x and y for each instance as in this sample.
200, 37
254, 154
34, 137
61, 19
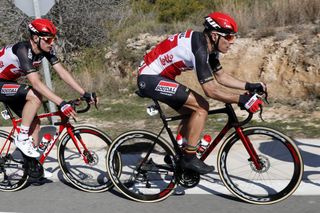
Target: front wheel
281, 166
85, 168
147, 161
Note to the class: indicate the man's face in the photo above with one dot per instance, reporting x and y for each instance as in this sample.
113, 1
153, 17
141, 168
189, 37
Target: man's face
46, 42
225, 41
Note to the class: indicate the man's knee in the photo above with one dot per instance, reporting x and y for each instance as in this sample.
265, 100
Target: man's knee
198, 103
34, 96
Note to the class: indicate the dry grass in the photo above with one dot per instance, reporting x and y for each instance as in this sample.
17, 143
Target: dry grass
273, 13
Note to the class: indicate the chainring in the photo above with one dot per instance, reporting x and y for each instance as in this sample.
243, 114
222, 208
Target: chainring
188, 178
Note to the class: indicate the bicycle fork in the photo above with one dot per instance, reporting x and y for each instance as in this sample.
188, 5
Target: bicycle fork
250, 149
87, 157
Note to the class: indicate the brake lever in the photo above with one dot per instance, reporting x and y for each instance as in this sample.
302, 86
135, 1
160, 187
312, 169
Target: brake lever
265, 100
261, 111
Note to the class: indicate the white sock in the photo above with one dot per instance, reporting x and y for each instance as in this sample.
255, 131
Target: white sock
24, 133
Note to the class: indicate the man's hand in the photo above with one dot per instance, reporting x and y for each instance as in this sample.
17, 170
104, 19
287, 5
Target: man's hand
256, 87
67, 109
90, 97
250, 102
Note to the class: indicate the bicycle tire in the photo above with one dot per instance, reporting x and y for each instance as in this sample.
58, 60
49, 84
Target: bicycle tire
86, 176
151, 181
282, 166
13, 174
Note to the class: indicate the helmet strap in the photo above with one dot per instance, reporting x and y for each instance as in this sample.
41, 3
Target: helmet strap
214, 43
38, 44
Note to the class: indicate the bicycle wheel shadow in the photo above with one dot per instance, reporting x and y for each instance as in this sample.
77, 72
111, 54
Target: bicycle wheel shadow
310, 159
210, 179
308, 150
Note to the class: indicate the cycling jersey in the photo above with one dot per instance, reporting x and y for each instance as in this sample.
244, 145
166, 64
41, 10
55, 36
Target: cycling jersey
19, 60
181, 52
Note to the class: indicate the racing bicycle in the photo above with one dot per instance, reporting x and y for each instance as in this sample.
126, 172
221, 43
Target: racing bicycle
81, 152
259, 165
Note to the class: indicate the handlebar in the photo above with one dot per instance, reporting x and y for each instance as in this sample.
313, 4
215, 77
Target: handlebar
76, 102
263, 95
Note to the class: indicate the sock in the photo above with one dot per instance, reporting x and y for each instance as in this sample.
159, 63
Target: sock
24, 132
190, 152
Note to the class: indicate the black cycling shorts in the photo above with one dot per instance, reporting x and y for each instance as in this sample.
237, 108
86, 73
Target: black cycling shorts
14, 95
163, 89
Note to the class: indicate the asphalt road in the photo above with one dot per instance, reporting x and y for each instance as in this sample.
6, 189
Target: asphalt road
59, 197
210, 196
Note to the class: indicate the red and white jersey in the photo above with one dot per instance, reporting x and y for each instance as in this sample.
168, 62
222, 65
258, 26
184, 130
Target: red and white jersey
19, 60
9, 64
170, 57
178, 53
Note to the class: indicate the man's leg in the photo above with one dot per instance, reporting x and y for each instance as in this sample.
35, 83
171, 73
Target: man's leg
192, 130
198, 108
33, 103
34, 131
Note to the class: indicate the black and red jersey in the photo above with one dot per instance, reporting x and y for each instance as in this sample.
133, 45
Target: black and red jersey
19, 60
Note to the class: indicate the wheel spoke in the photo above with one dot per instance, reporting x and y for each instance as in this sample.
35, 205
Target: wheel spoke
281, 170
145, 175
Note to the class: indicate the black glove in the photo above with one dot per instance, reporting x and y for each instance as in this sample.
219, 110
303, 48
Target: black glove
90, 97
255, 87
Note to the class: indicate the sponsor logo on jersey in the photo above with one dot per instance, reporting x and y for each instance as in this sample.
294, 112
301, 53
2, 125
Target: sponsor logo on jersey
1, 64
142, 85
171, 38
167, 87
9, 89
30, 54
166, 59
36, 63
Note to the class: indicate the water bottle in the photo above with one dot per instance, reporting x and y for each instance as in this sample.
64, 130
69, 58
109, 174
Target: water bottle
181, 140
45, 141
204, 143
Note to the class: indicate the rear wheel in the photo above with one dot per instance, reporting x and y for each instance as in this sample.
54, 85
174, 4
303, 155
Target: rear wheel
281, 166
13, 175
147, 163
86, 168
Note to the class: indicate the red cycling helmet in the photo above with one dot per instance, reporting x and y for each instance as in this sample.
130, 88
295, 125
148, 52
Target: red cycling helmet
42, 27
220, 22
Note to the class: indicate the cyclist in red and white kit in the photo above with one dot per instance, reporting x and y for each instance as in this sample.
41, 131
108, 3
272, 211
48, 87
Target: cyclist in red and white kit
198, 51
24, 59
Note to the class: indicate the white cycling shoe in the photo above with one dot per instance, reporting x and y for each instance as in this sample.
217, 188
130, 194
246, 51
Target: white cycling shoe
26, 147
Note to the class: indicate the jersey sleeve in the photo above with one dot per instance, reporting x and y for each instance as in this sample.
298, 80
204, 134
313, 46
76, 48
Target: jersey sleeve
51, 57
26, 65
202, 66
214, 62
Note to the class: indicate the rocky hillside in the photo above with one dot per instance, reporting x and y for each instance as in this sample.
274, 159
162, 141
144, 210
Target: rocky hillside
288, 62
